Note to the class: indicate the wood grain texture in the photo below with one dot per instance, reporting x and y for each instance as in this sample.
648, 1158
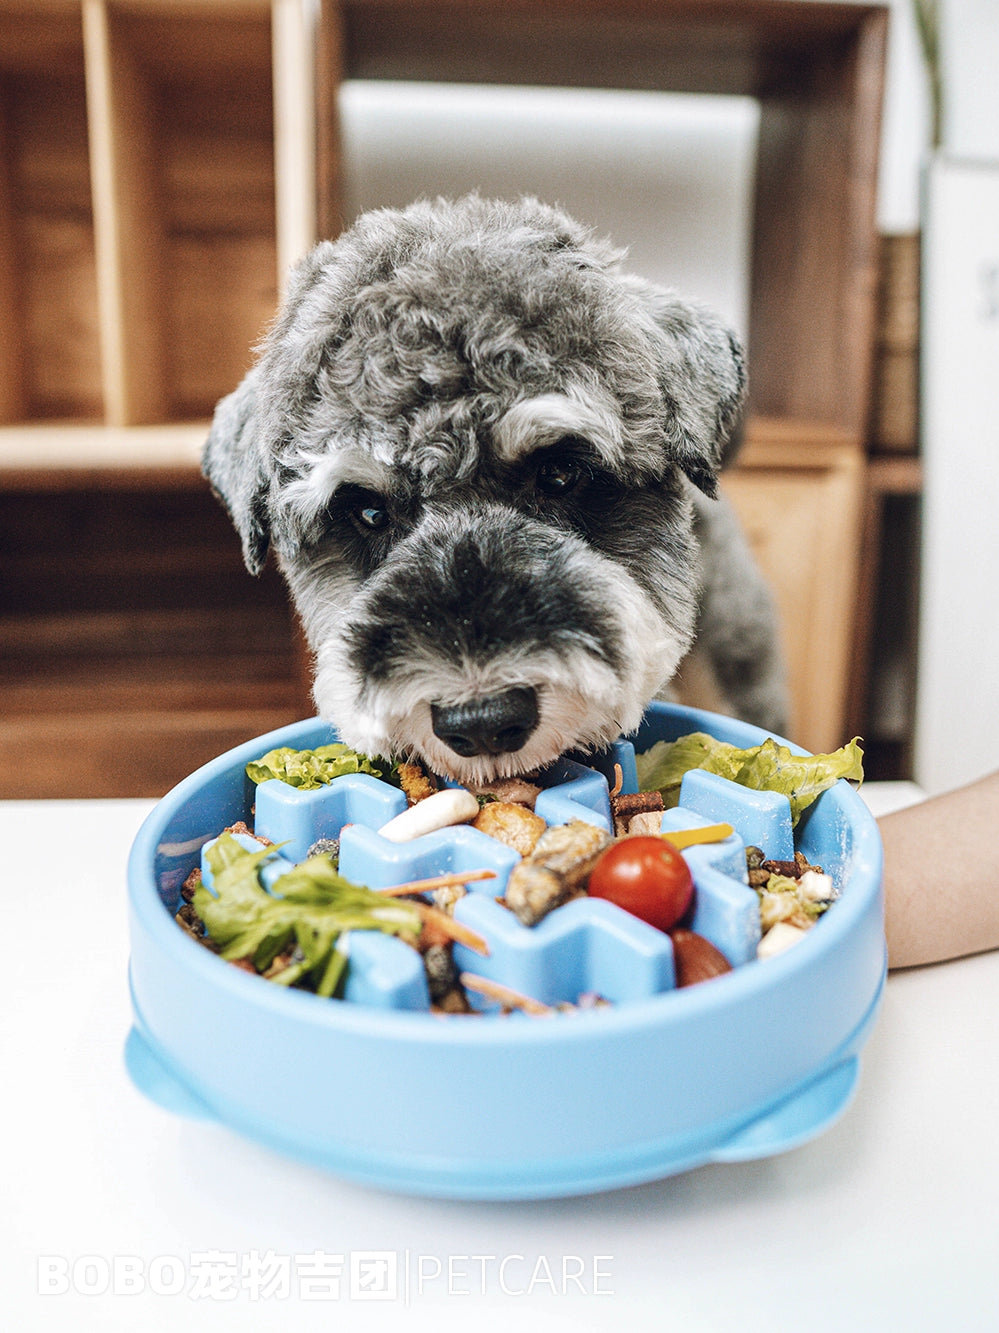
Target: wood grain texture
49, 356
116, 752
814, 266
804, 527
12, 399
128, 612
711, 46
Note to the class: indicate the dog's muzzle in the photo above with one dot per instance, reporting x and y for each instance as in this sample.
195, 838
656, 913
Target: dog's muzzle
494, 725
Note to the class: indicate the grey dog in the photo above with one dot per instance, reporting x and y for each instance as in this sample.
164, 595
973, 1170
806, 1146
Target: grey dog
486, 460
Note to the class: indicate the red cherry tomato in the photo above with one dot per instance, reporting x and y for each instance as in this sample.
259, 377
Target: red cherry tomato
645, 876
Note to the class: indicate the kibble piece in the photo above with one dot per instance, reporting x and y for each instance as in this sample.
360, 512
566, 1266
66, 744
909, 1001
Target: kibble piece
628, 805
415, 782
516, 790
514, 825
646, 824
442, 974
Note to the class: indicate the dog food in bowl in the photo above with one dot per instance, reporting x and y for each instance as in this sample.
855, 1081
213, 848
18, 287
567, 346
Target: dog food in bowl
651, 1080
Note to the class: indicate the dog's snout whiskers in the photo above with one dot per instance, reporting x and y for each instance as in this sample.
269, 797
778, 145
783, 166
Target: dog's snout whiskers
493, 725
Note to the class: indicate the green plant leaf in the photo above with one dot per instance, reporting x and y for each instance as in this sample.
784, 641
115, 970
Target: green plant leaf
767, 767
308, 908
308, 769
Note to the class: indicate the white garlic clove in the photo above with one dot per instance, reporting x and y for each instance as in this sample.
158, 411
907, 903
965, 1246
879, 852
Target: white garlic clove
453, 805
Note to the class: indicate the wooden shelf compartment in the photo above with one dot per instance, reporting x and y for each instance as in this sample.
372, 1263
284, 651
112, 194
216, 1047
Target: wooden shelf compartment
156, 184
156, 181
799, 492
181, 128
49, 343
133, 642
813, 509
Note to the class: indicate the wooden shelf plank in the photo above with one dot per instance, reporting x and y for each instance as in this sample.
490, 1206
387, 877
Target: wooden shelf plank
62, 455
703, 46
128, 234
293, 41
116, 753
86, 446
897, 475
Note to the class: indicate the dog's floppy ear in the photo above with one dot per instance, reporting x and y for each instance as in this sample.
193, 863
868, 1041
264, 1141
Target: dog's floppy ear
232, 463
253, 424
702, 378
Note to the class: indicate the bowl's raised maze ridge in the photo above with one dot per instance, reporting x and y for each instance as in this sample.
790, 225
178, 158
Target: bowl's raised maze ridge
587, 945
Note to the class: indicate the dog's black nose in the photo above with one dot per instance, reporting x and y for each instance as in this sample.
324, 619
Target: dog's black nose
496, 724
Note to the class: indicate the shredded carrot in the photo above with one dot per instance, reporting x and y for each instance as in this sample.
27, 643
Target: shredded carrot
446, 881
618, 780
435, 919
503, 995
690, 837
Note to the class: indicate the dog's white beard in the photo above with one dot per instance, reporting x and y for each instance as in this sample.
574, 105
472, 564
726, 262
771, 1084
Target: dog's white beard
583, 703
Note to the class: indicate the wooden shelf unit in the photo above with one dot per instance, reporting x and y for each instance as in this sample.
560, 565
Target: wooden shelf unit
162, 164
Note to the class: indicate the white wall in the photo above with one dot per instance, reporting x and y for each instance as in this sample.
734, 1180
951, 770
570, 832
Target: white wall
957, 715
668, 177
970, 42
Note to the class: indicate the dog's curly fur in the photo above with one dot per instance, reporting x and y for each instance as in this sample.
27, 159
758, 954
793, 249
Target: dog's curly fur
484, 455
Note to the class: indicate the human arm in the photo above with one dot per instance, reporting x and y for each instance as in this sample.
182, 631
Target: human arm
942, 876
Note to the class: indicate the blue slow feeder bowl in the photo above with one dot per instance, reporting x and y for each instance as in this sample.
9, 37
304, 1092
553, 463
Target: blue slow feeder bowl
378, 1090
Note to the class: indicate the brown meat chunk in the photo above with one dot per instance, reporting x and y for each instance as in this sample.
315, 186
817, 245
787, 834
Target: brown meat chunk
556, 870
514, 825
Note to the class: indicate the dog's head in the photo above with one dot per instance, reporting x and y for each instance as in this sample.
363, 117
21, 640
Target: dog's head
472, 442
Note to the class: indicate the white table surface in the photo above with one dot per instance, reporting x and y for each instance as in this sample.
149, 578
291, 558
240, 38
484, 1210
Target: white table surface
890, 1221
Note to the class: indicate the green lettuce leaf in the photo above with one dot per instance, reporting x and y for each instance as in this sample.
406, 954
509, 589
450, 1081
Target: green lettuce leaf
309, 909
767, 767
314, 768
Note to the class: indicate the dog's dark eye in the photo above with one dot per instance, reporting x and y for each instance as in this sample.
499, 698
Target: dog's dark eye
363, 524
558, 477
373, 516
369, 511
